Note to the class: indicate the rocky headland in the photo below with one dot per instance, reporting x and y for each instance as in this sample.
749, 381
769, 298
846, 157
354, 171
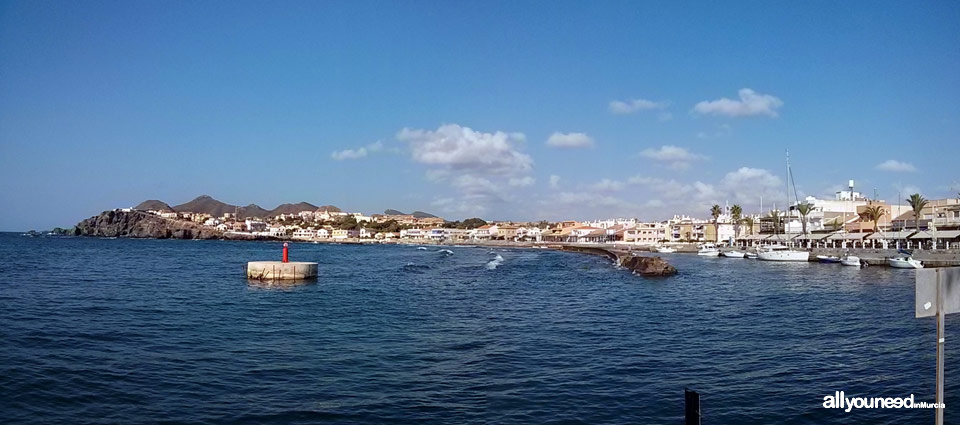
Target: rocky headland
137, 224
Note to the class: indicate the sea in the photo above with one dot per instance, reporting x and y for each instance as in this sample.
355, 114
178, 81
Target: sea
127, 331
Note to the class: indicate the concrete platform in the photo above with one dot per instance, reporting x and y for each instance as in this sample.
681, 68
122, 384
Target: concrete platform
278, 270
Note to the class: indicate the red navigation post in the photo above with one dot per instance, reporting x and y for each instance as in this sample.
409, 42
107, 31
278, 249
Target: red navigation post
286, 253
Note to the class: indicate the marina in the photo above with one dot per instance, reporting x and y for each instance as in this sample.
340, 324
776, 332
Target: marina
562, 334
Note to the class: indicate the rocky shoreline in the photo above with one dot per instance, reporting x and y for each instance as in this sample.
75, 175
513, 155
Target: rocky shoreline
137, 224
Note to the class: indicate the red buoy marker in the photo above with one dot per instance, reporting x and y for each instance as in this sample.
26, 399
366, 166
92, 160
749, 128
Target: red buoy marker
286, 253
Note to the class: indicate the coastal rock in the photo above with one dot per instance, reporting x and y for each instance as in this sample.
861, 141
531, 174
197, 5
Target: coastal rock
136, 224
649, 266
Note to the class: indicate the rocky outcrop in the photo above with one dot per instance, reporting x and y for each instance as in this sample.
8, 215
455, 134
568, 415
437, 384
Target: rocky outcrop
648, 266
644, 266
136, 224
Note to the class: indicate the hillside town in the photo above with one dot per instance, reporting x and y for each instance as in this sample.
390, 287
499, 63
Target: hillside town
850, 219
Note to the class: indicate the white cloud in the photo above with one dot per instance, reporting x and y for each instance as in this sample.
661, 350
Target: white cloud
674, 156
462, 148
570, 140
630, 106
743, 186
750, 103
607, 185
357, 153
521, 181
554, 181
462, 208
480, 168
896, 166
746, 185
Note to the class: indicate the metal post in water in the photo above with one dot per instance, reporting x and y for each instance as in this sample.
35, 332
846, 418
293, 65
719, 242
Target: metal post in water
938, 294
691, 403
940, 314
286, 253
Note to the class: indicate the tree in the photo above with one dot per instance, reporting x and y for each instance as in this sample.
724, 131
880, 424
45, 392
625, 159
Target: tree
874, 214
917, 203
748, 221
804, 209
715, 211
775, 216
473, 223
835, 224
736, 213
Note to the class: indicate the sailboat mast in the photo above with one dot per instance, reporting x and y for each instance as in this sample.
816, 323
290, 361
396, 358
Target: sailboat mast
786, 206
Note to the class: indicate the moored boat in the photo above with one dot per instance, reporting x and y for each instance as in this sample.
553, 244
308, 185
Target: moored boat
781, 253
904, 262
829, 259
734, 254
665, 250
750, 254
708, 250
850, 260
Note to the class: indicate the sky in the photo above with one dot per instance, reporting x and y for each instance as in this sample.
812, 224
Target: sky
502, 110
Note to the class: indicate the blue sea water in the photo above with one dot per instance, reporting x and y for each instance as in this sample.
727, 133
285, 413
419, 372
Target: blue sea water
101, 331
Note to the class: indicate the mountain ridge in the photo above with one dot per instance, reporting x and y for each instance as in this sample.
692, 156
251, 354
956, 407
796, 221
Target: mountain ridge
206, 204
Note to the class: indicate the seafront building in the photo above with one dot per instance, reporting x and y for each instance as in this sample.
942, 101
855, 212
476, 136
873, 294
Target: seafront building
838, 222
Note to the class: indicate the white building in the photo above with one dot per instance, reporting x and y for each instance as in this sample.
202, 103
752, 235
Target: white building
304, 234
487, 231
255, 225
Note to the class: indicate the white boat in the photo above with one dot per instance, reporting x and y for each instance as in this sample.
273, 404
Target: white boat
734, 254
904, 262
781, 253
828, 259
750, 254
850, 260
665, 250
708, 250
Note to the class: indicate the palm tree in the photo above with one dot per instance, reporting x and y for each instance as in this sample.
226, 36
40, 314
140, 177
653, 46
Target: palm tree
835, 224
736, 213
748, 221
804, 209
918, 204
874, 214
775, 215
715, 211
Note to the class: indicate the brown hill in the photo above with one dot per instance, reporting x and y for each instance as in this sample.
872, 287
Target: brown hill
253, 210
415, 214
153, 205
293, 208
206, 204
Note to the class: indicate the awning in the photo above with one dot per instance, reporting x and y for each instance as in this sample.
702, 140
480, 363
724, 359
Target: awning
814, 236
786, 237
847, 236
941, 234
891, 236
948, 234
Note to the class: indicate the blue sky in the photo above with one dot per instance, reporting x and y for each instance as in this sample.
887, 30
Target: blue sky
502, 110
